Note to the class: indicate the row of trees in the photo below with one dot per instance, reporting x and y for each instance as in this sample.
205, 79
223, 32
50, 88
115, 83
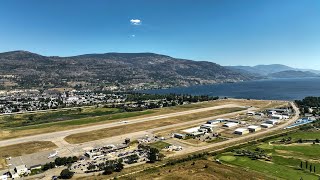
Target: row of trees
60, 161
311, 167
108, 167
169, 97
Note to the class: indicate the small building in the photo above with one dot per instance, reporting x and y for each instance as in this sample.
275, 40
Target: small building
208, 127
230, 125
179, 136
254, 128
276, 116
265, 125
39, 166
22, 169
272, 121
196, 134
241, 131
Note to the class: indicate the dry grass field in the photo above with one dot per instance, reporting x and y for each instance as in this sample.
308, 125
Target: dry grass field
191, 170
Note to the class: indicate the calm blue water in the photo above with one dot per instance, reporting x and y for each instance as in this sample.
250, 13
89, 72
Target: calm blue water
273, 89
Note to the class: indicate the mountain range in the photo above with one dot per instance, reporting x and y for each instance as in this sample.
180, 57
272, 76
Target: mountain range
126, 70
275, 71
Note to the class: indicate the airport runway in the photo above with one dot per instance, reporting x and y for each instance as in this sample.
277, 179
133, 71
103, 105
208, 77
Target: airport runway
61, 134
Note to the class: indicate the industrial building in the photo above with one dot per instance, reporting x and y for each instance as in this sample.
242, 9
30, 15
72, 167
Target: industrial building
208, 127
217, 121
265, 125
230, 125
272, 121
196, 134
241, 131
254, 128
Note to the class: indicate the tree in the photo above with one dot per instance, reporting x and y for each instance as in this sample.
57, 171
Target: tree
314, 169
66, 174
127, 141
306, 164
310, 167
118, 166
301, 165
153, 155
108, 170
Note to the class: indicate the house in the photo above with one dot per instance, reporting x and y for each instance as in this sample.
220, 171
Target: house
241, 131
230, 125
254, 128
265, 125
272, 121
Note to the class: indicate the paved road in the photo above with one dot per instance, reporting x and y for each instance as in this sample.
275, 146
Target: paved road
62, 134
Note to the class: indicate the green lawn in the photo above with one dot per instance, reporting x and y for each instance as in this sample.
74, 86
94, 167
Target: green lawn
88, 120
159, 145
268, 168
286, 159
21, 120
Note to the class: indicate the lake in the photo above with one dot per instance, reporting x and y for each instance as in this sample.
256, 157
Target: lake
272, 89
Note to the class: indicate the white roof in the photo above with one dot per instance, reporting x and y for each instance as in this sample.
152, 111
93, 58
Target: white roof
241, 129
209, 125
231, 124
253, 127
272, 120
265, 124
21, 167
191, 130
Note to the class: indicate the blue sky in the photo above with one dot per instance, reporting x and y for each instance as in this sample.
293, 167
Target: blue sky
228, 32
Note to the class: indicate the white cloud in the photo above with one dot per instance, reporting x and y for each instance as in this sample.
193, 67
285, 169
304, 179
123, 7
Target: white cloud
135, 22
133, 35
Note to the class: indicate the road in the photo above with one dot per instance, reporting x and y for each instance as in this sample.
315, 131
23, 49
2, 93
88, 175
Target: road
61, 134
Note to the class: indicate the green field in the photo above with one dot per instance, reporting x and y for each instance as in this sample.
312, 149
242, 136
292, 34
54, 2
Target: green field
286, 158
159, 145
272, 169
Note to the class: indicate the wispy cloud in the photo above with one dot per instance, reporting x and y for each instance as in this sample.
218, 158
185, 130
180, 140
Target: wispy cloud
135, 22
133, 35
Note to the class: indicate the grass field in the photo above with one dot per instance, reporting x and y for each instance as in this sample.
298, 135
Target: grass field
24, 148
125, 129
22, 120
159, 145
286, 159
272, 169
